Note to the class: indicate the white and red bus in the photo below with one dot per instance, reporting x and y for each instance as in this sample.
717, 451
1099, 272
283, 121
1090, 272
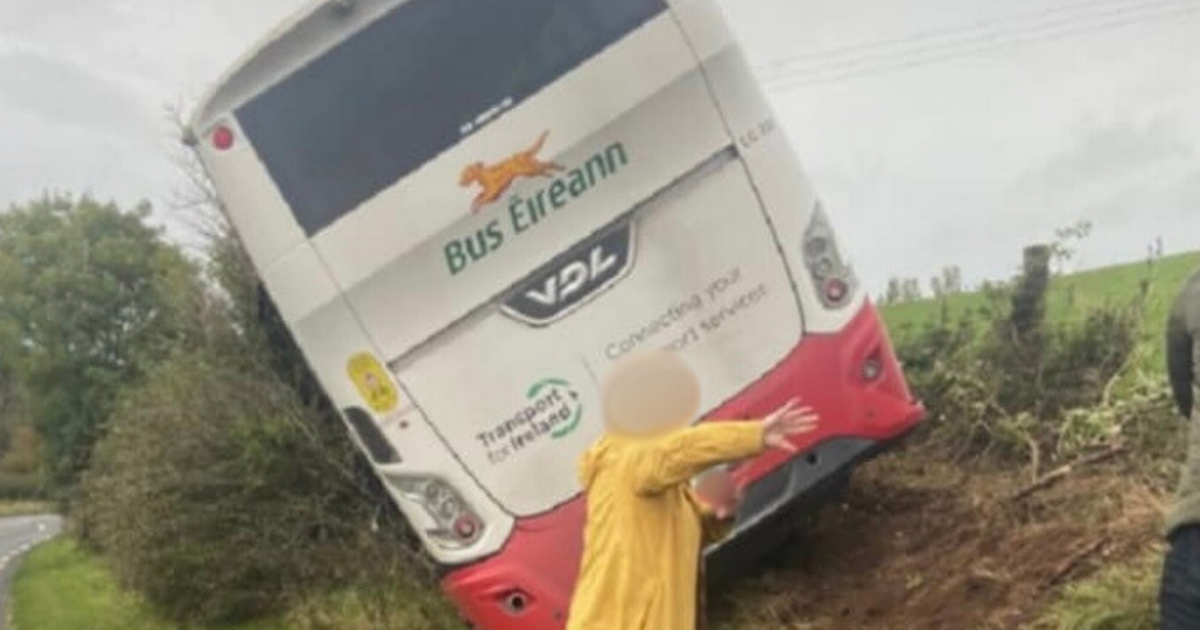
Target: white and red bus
466, 210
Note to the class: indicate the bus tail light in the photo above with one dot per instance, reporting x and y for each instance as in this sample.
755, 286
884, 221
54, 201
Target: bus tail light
466, 527
456, 524
872, 368
222, 138
835, 290
830, 273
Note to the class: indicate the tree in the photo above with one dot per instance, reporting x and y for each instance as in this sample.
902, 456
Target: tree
1066, 242
893, 291
936, 287
947, 282
21, 455
90, 295
910, 290
226, 485
952, 281
10, 411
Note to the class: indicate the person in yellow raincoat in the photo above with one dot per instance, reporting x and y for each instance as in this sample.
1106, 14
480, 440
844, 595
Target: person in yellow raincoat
645, 528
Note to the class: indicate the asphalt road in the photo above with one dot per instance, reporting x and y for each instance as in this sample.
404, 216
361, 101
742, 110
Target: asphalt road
18, 535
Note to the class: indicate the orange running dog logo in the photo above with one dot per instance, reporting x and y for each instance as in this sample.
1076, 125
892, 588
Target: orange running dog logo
496, 179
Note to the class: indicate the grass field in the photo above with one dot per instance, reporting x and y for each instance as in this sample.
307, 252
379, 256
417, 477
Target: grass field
1122, 597
1072, 295
62, 587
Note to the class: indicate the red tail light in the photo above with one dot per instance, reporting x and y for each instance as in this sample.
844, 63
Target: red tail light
872, 368
222, 138
466, 527
830, 272
836, 290
457, 525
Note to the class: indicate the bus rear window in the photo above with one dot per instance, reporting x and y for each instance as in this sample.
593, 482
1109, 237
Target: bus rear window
413, 84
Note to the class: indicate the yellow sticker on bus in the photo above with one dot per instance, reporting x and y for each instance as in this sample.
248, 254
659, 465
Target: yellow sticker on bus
373, 383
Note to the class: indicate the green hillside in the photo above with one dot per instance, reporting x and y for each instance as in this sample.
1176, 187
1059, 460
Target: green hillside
1070, 296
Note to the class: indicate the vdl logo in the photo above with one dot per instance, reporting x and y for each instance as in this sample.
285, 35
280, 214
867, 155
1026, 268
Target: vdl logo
577, 276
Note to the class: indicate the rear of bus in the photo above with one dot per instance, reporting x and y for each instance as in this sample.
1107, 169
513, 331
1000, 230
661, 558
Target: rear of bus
466, 211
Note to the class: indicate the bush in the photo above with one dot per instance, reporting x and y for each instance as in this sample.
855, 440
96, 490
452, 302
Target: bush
1004, 381
1123, 597
945, 368
20, 457
1143, 416
1068, 364
219, 496
227, 486
14, 487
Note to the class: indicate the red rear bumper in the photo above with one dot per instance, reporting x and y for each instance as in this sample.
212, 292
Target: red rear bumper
527, 586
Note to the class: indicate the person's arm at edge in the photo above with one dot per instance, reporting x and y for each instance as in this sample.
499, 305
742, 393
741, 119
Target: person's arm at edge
1180, 358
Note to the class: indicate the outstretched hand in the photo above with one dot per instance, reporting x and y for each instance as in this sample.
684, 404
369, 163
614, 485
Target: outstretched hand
787, 421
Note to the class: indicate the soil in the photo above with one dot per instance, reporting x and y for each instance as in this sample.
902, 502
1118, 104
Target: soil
917, 546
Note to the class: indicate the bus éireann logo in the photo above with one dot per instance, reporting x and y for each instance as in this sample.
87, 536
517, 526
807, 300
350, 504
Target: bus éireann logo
496, 179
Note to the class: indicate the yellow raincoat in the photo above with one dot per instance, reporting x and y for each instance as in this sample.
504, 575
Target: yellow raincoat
645, 529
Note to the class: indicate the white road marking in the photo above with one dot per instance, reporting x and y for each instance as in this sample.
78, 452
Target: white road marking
44, 530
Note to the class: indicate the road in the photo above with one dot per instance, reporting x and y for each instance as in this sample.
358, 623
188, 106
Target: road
18, 535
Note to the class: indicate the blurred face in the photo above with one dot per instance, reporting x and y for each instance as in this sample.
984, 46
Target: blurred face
650, 393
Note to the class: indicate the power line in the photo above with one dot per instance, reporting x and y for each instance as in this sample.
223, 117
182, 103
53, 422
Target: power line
873, 65
1075, 23
900, 64
1079, 9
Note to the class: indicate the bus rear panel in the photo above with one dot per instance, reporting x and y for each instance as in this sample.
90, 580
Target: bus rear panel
466, 212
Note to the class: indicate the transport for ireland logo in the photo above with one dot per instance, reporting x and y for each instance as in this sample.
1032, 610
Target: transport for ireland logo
552, 411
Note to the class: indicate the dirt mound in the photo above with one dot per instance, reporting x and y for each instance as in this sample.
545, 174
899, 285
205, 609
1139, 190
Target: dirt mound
930, 547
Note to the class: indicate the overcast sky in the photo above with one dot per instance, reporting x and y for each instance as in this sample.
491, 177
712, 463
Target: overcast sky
939, 131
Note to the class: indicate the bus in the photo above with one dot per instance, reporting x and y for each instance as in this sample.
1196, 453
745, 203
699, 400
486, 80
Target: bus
466, 210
